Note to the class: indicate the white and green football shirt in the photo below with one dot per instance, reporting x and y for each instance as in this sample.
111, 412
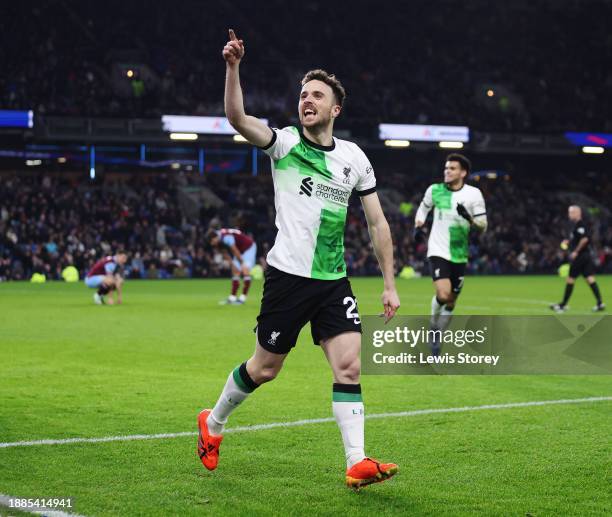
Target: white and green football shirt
312, 186
448, 238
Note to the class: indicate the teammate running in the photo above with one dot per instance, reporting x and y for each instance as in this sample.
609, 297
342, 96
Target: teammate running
242, 252
581, 261
458, 208
314, 175
106, 277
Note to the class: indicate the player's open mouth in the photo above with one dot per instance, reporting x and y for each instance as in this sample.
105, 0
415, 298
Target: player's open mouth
309, 111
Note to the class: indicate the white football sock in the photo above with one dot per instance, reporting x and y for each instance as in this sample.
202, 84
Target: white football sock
436, 309
234, 393
445, 318
350, 417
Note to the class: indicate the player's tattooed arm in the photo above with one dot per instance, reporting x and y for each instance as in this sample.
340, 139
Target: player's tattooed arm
380, 234
251, 128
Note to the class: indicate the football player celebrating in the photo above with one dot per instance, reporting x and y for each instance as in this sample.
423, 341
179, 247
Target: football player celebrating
458, 208
314, 174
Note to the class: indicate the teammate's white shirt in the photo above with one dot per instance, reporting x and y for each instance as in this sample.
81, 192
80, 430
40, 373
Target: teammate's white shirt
312, 186
448, 238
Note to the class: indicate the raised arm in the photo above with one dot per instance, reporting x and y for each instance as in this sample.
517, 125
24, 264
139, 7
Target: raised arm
251, 128
383, 248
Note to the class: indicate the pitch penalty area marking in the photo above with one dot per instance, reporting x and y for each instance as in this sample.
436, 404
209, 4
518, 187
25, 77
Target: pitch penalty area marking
310, 421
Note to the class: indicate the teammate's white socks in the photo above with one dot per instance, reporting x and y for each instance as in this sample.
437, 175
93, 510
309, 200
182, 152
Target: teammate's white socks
347, 405
238, 387
444, 318
436, 309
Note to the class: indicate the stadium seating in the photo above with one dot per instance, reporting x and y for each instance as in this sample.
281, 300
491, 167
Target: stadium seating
44, 227
440, 68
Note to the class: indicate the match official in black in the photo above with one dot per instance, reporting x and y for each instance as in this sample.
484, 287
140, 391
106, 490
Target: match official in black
581, 261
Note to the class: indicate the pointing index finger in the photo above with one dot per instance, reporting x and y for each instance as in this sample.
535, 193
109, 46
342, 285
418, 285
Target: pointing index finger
232, 35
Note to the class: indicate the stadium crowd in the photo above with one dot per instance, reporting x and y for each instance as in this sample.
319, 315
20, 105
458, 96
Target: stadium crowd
49, 222
446, 57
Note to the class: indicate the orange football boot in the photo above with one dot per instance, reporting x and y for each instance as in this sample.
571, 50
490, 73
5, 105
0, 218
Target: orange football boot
369, 471
208, 444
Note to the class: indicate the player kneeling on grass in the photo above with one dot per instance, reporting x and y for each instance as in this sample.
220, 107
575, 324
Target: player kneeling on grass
314, 175
581, 261
105, 276
458, 207
242, 252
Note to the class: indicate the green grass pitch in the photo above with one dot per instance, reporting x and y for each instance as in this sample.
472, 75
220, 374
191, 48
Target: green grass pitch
73, 369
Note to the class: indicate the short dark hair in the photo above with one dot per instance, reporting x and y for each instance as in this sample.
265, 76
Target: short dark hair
466, 165
330, 80
211, 234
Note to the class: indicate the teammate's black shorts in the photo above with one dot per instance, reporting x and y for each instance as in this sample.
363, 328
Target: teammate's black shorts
290, 301
583, 265
442, 268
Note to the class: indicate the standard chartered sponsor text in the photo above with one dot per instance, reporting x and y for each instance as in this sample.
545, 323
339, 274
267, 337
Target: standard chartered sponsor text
332, 193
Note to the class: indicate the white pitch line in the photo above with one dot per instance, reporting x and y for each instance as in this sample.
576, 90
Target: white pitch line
5, 502
529, 301
299, 423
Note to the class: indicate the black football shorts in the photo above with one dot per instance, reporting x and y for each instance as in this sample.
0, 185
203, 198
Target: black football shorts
583, 265
454, 271
291, 301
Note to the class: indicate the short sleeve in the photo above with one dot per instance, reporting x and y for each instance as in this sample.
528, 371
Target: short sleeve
110, 267
427, 201
282, 141
367, 179
229, 240
582, 231
479, 208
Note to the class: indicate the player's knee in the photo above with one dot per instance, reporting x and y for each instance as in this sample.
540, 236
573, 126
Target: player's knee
349, 372
445, 297
570, 280
265, 374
